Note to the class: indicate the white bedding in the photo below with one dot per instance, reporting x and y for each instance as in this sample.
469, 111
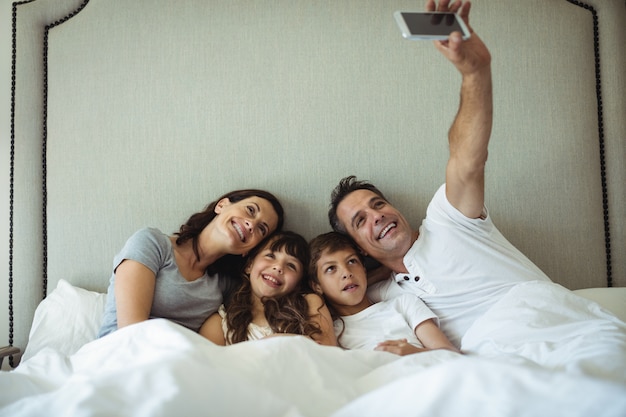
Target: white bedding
551, 326
158, 368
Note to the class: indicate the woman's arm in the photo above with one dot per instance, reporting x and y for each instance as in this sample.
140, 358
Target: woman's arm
321, 316
134, 292
212, 329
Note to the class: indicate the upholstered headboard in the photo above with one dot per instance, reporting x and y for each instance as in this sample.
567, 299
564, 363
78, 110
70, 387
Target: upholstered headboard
138, 113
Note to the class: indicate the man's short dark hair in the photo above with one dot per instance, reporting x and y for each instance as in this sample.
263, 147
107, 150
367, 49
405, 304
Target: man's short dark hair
345, 187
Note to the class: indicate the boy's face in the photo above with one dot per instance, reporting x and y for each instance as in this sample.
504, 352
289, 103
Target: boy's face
343, 280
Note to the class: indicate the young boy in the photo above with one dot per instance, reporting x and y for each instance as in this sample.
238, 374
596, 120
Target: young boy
402, 325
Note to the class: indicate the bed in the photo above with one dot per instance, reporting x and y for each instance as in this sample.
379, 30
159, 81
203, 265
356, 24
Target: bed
133, 114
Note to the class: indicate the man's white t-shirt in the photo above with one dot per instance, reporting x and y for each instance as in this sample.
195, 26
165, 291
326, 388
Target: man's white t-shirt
394, 319
459, 267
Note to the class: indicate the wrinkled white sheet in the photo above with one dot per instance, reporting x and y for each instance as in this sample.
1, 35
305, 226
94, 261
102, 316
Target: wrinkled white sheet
516, 368
547, 324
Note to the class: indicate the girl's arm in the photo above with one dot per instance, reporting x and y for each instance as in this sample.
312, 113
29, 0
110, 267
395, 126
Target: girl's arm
212, 329
321, 316
134, 292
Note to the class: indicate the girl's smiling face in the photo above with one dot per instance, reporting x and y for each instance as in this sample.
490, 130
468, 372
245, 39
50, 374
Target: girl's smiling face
274, 273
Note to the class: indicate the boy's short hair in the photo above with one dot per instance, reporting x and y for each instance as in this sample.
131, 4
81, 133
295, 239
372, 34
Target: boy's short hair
331, 242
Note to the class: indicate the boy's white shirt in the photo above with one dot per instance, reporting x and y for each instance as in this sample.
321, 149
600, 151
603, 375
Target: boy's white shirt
393, 319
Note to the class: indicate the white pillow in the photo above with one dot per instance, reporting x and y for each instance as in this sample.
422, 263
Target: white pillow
611, 298
65, 320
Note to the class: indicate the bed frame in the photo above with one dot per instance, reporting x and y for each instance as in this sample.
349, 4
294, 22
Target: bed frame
137, 113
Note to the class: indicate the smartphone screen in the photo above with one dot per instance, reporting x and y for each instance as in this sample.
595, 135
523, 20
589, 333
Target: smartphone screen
429, 25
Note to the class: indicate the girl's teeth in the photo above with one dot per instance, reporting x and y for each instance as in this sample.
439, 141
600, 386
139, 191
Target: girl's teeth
270, 278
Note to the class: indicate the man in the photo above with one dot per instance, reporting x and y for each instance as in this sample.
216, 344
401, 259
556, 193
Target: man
457, 262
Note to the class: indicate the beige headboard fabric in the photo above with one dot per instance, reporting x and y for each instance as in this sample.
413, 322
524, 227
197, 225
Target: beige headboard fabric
138, 113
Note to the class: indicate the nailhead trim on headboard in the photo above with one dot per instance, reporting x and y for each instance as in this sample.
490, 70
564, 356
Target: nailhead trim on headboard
44, 142
12, 169
605, 200
43, 156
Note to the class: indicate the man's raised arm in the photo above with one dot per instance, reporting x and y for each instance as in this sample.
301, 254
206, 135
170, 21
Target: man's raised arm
469, 135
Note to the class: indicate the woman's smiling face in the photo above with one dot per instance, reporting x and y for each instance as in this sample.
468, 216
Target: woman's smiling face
247, 222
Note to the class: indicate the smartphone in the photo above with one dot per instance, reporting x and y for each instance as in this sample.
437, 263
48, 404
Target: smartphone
430, 25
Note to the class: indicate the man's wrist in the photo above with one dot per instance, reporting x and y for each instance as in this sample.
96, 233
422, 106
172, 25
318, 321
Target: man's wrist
480, 76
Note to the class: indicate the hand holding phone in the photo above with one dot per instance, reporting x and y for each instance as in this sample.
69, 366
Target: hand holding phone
430, 25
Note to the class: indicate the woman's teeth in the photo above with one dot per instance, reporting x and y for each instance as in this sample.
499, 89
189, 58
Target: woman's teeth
239, 231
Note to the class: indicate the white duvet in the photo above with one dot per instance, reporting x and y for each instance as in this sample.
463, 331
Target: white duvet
514, 368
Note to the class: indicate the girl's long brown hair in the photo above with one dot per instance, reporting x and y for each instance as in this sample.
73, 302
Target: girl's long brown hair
287, 314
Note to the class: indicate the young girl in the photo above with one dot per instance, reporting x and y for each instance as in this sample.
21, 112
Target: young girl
402, 325
273, 298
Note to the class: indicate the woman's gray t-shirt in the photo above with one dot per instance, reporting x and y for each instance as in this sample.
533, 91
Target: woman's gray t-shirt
187, 303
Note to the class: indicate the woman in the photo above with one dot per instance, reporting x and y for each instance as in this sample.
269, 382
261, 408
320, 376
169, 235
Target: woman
182, 277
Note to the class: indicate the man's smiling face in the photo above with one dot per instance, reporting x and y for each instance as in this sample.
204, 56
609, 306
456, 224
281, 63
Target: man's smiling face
376, 226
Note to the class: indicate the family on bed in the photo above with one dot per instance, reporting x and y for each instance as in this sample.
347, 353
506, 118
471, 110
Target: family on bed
433, 284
